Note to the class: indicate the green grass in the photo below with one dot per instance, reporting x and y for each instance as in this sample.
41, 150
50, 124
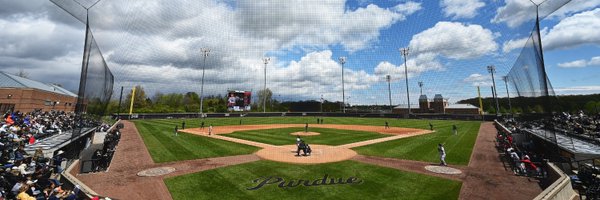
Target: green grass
424, 147
378, 183
165, 147
157, 135
281, 136
408, 123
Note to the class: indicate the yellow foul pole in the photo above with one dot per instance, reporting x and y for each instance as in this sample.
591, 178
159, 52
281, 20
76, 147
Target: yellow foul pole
480, 102
132, 99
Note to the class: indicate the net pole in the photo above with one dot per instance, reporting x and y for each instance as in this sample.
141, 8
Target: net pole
120, 99
131, 104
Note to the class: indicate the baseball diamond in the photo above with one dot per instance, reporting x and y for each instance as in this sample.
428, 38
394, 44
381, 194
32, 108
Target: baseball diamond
232, 172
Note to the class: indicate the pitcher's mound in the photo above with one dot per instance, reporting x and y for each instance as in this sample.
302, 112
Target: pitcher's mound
442, 169
320, 154
302, 133
158, 171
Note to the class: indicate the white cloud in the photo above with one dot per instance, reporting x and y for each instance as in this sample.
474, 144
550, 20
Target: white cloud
238, 36
300, 23
510, 45
415, 66
455, 40
588, 89
594, 61
448, 39
514, 13
579, 29
461, 8
37, 38
315, 74
575, 6
479, 80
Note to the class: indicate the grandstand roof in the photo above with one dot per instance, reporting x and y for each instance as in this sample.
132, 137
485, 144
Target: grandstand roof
12, 81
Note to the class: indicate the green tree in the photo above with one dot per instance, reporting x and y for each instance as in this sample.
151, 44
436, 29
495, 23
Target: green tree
264, 97
538, 109
491, 110
591, 107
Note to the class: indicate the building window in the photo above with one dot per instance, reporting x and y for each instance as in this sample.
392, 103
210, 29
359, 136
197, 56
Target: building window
48, 103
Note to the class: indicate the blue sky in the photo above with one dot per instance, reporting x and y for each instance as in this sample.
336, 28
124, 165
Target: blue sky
156, 44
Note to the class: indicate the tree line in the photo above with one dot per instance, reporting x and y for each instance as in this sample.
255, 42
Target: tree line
565, 103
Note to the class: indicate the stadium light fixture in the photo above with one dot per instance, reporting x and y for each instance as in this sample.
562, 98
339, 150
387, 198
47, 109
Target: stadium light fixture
266, 61
492, 69
343, 61
505, 78
205, 52
404, 52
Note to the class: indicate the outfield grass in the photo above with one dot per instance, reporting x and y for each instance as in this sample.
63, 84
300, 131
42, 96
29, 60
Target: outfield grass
281, 136
165, 147
157, 135
424, 147
377, 183
407, 123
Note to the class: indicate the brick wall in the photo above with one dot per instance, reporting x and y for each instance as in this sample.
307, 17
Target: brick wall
27, 100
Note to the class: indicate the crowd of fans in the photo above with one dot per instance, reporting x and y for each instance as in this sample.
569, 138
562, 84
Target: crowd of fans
580, 125
521, 157
27, 176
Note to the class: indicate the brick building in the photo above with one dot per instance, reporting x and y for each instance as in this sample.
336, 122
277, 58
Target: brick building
439, 105
26, 95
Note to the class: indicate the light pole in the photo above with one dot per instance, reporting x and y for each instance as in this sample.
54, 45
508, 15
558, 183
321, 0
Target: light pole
389, 79
205, 52
421, 86
321, 104
492, 69
342, 61
266, 61
404, 52
505, 78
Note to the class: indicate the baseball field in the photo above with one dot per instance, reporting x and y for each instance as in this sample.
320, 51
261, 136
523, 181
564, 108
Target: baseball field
335, 168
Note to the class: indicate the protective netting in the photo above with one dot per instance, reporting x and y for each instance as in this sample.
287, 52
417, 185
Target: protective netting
157, 45
98, 83
527, 74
